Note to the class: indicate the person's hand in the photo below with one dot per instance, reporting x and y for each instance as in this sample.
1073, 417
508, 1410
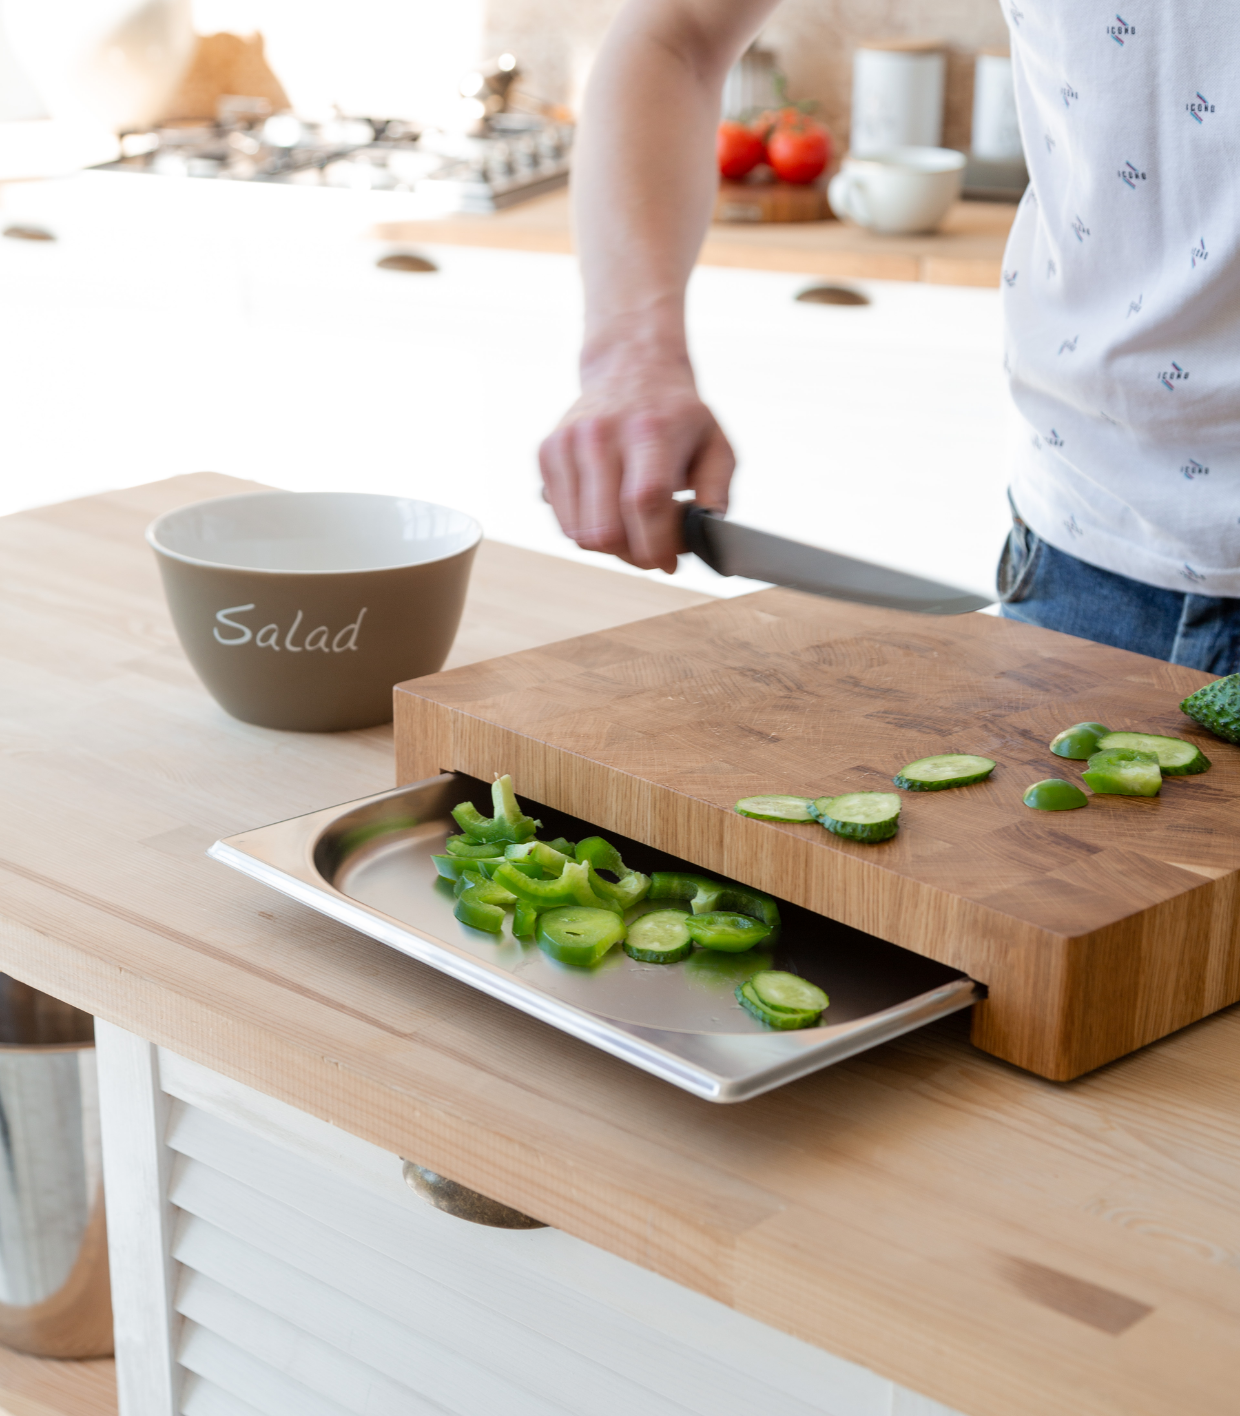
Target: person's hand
638, 433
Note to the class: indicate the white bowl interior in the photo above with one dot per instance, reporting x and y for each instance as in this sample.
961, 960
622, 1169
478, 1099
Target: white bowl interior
313, 531
920, 159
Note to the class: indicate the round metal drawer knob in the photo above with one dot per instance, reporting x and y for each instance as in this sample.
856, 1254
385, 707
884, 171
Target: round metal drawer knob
464, 1203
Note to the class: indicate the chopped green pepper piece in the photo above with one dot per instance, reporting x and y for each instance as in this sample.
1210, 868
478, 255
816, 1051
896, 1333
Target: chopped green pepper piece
473, 850
726, 930
1079, 741
451, 867
699, 892
1054, 794
564, 847
704, 895
525, 920
541, 854
508, 824
629, 889
1122, 771
571, 887
579, 935
481, 903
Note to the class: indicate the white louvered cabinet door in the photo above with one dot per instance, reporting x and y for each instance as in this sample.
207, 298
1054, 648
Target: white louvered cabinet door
269, 1264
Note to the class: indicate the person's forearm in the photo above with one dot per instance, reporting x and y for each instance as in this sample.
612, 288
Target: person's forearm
645, 175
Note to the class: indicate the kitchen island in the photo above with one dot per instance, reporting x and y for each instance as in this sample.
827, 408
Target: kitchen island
918, 1225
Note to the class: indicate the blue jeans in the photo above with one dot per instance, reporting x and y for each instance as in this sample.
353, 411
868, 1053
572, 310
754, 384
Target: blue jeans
1040, 585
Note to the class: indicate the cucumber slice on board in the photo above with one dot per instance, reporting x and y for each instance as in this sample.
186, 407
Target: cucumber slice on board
1176, 757
780, 1018
1079, 741
950, 769
578, 934
1054, 794
860, 816
1119, 771
727, 930
775, 808
788, 992
661, 937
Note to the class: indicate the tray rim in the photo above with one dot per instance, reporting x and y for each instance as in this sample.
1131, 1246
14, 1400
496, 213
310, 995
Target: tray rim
282, 856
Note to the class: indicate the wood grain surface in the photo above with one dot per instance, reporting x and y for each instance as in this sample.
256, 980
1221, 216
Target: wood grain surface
978, 1234
966, 250
1097, 931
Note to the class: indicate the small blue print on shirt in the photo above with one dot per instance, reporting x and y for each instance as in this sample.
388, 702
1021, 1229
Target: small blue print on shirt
1194, 577
1069, 344
1200, 253
1131, 175
1009, 278
1200, 105
1192, 468
1053, 439
1134, 306
1081, 230
1121, 31
1072, 528
1068, 94
1173, 375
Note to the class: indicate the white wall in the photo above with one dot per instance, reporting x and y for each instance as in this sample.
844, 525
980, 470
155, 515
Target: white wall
394, 58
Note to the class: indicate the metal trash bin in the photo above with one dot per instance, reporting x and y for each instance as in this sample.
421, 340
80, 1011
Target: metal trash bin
55, 1299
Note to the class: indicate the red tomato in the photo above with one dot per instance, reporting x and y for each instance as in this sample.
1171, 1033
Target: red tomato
739, 151
798, 149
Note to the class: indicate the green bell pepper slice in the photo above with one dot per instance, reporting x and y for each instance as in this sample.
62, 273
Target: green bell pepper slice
631, 886
480, 903
726, 930
509, 823
579, 935
472, 850
538, 853
571, 887
525, 920
704, 896
1122, 771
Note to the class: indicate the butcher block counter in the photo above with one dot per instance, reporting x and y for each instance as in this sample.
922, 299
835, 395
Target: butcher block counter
966, 250
919, 1224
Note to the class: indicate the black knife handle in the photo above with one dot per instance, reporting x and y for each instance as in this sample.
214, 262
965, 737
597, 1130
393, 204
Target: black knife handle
697, 534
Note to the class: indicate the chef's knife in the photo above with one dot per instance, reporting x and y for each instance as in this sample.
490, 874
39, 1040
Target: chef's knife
733, 549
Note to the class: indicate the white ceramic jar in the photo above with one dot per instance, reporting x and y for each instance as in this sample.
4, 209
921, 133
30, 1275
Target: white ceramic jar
897, 95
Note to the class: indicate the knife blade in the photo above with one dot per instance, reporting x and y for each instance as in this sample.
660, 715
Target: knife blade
733, 549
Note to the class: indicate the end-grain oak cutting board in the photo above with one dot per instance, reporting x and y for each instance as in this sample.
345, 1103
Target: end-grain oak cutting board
1097, 930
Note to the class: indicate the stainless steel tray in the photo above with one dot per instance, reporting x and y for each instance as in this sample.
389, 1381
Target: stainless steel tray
367, 863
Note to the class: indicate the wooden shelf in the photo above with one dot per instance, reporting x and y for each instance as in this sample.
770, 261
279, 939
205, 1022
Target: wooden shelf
967, 250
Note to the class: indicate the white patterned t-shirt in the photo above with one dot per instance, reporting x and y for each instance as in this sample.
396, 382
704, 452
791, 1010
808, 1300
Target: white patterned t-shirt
1121, 286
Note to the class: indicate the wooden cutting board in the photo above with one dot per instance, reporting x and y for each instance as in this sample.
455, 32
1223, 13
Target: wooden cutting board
1097, 931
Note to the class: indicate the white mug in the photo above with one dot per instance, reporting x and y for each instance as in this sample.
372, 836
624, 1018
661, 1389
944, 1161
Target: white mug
899, 191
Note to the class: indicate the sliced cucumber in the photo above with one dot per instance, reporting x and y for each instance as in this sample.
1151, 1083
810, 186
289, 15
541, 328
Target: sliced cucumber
661, 937
577, 934
1176, 757
775, 808
1079, 741
788, 992
860, 816
727, 930
780, 1018
950, 769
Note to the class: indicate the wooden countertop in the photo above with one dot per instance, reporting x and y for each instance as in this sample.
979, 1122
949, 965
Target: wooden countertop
1008, 1246
968, 250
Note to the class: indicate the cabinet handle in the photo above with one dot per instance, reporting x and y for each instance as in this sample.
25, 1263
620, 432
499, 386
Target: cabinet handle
462, 1202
